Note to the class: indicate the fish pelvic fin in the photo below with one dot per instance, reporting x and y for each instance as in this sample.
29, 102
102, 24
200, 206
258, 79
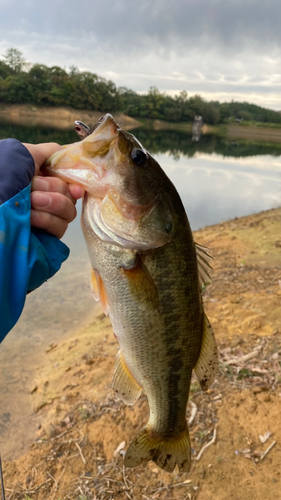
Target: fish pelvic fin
207, 364
166, 453
123, 382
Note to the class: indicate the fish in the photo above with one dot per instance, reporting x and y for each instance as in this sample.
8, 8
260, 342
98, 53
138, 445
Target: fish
147, 273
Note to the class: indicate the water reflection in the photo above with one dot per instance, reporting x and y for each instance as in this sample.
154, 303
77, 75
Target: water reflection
214, 189
217, 180
37, 134
178, 144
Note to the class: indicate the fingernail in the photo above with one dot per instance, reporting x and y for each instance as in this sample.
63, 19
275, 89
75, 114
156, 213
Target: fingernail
41, 200
40, 184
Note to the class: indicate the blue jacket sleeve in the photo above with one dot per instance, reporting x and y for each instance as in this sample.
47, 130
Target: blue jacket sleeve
28, 256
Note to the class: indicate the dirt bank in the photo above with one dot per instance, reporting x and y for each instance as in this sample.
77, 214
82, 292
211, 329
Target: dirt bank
262, 134
81, 427
61, 118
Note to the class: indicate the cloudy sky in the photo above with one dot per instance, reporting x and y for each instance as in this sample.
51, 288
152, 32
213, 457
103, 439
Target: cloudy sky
221, 49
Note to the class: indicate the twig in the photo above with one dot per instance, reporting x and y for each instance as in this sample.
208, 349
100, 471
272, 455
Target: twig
52, 477
176, 485
63, 433
81, 454
268, 450
207, 445
57, 482
2, 480
193, 414
109, 479
126, 484
185, 483
30, 492
242, 359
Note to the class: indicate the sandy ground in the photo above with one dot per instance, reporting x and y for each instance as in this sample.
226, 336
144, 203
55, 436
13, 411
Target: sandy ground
82, 430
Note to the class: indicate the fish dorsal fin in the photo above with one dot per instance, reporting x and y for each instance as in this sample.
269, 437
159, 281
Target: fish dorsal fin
207, 364
123, 382
203, 258
98, 290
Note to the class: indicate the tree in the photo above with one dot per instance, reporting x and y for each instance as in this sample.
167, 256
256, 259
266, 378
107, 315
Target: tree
5, 70
14, 58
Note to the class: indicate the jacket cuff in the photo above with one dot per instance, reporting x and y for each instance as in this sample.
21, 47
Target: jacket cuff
16, 168
53, 253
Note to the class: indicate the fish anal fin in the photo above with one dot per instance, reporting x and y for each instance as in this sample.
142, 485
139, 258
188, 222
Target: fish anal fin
141, 284
166, 453
203, 262
207, 364
98, 290
123, 382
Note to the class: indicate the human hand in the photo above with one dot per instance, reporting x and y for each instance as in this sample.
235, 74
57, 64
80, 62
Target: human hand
53, 204
52, 200
41, 152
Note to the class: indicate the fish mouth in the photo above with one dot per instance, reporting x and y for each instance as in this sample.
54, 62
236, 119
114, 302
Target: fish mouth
89, 162
104, 121
121, 236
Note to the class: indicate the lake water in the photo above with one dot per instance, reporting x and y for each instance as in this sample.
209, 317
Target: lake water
216, 179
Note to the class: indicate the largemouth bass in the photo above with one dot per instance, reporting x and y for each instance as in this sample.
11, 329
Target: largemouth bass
145, 273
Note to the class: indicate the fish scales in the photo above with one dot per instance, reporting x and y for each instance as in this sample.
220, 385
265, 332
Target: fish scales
145, 267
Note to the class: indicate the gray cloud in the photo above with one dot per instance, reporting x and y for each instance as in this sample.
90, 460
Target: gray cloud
130, 23
207, 46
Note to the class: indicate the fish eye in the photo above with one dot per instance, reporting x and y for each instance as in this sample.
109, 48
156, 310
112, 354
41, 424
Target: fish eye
138, 157
168, 227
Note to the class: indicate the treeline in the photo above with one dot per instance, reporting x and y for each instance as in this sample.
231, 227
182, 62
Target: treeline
53, 86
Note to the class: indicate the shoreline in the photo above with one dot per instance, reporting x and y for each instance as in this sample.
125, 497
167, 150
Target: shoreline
63, 118
57, 117
72, 391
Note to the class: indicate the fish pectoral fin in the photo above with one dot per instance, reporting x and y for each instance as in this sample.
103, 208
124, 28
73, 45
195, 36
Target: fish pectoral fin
207, 364
142, 287
167, 454
123, 382
204, 267
98, 290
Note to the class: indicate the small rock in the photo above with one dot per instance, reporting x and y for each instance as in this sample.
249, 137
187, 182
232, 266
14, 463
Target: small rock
251, 408
90, 361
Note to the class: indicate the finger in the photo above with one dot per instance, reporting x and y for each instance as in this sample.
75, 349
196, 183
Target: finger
52, 185
51, 223
41, 152
76, 191
54, 203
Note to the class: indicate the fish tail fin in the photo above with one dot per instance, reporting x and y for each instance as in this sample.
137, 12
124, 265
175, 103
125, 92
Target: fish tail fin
166, 453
